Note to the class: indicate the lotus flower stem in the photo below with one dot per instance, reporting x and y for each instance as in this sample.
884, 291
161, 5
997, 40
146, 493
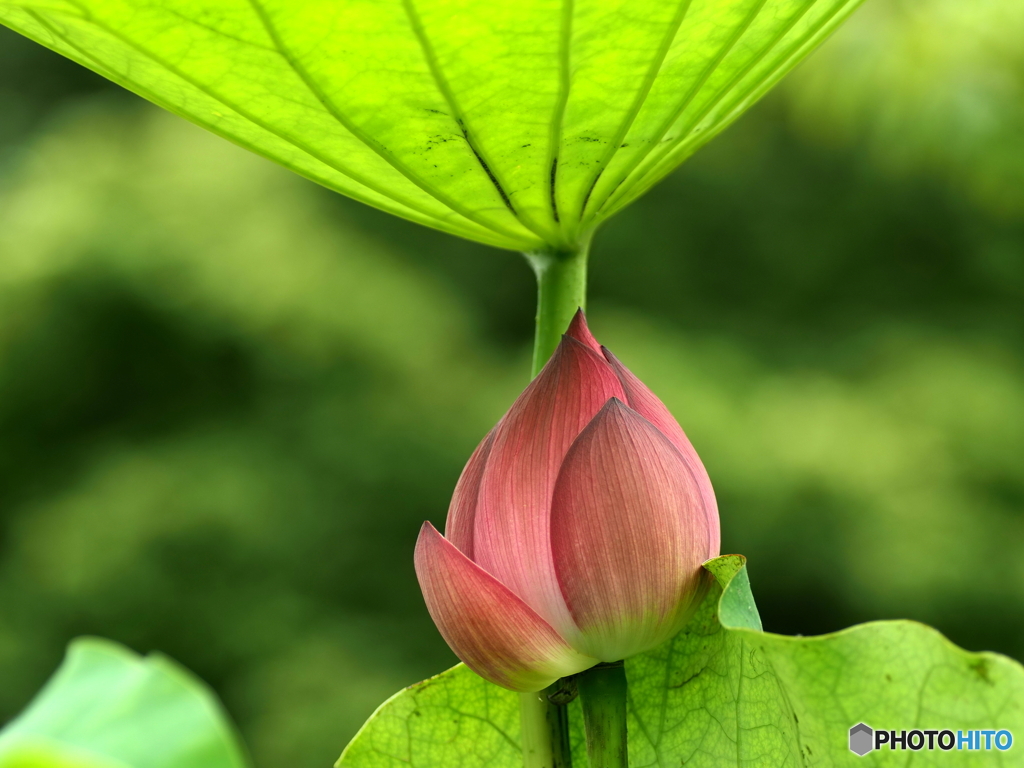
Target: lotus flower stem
545, 730
561, 290
603, 696
575, 533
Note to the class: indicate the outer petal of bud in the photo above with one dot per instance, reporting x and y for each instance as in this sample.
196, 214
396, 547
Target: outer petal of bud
579, 330
494, 632
512, 527
648, 405
462, 511
629, 533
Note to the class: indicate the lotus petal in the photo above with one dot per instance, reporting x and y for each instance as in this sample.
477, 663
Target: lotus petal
512, 529
647, 404
578, 330
458, 528
495, 633
628, 535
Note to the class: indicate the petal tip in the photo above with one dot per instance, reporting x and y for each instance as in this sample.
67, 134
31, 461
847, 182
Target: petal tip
579, 330
428, 530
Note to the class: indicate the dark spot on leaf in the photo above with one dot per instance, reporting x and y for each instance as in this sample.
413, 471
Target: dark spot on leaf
980, 668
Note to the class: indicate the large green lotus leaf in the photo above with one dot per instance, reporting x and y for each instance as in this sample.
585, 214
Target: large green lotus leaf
106, 707
519, 123
724, 694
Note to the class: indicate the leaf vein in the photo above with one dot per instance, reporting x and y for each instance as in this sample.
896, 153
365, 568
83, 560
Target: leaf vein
653, 169
674, 115
561, 103
332, 109
444, 88
206, 90
650, 76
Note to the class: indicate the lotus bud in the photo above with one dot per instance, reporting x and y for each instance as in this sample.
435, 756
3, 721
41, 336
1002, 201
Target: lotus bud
577, 530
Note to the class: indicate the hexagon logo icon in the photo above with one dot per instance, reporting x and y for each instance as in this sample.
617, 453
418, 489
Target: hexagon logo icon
861, 739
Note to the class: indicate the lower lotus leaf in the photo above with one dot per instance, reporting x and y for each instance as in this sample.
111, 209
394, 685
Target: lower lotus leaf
723, 693
107, 707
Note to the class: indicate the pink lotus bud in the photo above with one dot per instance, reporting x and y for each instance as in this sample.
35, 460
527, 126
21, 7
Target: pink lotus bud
577, 530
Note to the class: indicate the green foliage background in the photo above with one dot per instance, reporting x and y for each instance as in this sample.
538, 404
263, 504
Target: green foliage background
228, 398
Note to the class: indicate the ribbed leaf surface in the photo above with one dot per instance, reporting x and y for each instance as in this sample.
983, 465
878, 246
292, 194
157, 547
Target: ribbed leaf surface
517, 124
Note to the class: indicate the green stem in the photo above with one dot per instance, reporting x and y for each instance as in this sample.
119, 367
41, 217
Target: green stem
545, 731
603, 696
561, 290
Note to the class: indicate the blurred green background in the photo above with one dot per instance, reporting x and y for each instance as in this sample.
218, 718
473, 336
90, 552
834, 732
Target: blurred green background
228, 398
